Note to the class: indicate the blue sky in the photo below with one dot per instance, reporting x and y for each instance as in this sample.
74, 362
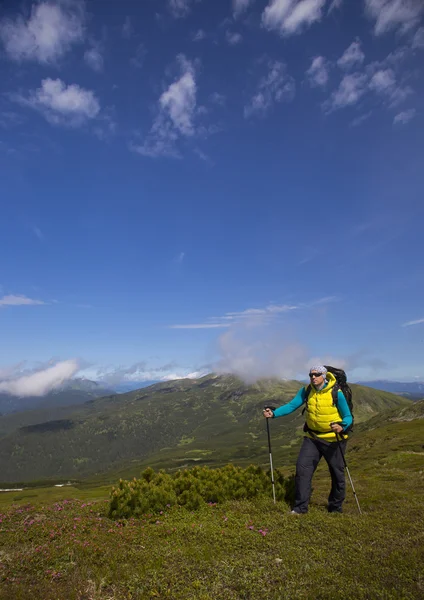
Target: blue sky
188, 184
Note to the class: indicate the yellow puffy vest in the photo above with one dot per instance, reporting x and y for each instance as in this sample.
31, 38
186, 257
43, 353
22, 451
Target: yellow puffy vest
321, 411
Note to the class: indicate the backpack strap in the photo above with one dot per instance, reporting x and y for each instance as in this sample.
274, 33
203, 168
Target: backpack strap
307, 392
335, 394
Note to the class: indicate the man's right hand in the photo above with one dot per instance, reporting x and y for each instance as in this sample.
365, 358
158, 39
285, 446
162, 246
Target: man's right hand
268, 414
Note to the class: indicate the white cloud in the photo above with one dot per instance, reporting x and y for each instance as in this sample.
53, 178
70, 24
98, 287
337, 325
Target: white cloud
177, 109
383, 82
260, 352
240, 6
180, 8
191, 375
200, 326
49, 32
233, 38
218, 98
94, 59
405, 116
41, 382
141, 372
317, 73
137, 60
350, 91
291, 16
417, 322
418, 41
127, 28
334, 5
275, 86
255, 316
12, 300
361, 119
399, 95
179, 100
38, 233
352, 56
63, 105
394, 14
199, 35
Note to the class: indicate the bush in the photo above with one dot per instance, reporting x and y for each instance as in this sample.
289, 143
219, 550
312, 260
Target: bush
155, 492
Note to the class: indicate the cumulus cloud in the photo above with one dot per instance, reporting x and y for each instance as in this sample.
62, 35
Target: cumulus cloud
127, 28
61, 104
352, 56
40, 382
390, 15
383, 82
379, 78
404, 116
334, 5
180, 8
350, 91
176, 115
233, 38
260, 352
418, 41
94, 59
292, 16
19, 301
179, 100
199, 35
274, 87
49, 32
317, 74
240, 6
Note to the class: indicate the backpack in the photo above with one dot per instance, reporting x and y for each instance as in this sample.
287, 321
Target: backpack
342, 385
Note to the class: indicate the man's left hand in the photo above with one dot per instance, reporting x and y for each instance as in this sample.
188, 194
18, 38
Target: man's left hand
336, 427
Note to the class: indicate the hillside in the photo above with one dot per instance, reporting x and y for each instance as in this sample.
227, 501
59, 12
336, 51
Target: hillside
211, 420
224, 550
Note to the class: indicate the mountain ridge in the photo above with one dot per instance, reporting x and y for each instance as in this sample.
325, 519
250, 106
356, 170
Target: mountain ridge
214, 419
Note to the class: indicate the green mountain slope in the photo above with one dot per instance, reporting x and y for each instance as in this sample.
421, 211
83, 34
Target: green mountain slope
213, 420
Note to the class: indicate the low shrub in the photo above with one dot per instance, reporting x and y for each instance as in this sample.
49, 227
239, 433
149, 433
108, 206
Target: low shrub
155, 492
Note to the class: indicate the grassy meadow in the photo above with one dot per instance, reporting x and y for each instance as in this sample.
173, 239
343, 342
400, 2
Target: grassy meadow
58, 543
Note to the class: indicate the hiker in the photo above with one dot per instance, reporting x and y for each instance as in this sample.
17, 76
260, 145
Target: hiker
328, 418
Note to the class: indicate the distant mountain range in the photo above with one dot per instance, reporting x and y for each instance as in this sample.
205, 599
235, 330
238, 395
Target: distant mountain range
413, 389
130, 386
211, 420
72, 392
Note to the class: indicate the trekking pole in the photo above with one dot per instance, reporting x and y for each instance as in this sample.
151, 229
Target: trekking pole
270, 453
347, 471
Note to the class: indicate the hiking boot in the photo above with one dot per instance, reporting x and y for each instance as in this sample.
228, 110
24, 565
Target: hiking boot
295, 512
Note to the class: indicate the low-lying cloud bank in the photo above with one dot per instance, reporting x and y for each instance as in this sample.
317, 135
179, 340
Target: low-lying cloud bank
38, 382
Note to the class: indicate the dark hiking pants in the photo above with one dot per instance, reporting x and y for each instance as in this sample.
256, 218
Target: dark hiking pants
310, 454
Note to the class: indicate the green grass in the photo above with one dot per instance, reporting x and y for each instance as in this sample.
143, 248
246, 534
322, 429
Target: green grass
59, 544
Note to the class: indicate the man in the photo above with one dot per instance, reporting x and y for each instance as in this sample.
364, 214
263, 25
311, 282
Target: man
326, 422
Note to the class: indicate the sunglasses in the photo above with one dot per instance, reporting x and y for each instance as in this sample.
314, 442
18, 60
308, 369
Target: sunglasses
315, 375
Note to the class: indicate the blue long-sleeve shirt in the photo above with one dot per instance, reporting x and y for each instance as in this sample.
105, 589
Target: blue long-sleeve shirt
300, 399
